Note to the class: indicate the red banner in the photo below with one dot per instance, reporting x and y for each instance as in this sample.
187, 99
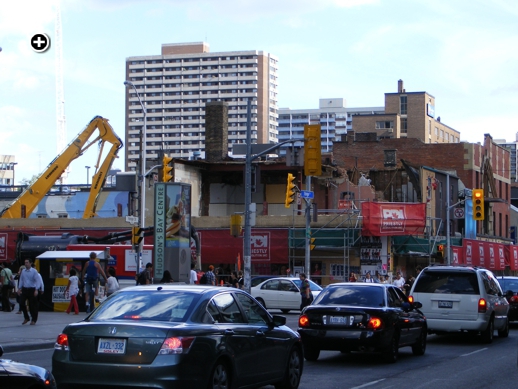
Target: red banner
512, 256
393, 219
268, 245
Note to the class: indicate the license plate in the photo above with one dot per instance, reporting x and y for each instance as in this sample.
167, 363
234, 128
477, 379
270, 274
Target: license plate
445, 304
111, 346
344, 320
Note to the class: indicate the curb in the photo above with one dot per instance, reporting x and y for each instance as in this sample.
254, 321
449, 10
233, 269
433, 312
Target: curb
12, 348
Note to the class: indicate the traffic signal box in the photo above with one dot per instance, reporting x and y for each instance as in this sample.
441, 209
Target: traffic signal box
312, 150
478, 204
290, 191
235, 225
440, 251
135, 236
166, 168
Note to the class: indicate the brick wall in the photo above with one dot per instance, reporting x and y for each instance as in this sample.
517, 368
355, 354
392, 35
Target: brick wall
216, 131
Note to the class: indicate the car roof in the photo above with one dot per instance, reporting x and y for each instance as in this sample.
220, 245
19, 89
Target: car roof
199, 289
361, 284
454, 268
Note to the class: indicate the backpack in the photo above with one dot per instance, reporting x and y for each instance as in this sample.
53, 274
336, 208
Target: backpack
203, 279
141, 280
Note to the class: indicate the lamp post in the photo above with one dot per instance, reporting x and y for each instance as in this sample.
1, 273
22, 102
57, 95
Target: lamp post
87, 174
142, 176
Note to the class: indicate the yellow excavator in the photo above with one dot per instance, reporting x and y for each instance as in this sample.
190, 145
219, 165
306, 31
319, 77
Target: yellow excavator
25, 204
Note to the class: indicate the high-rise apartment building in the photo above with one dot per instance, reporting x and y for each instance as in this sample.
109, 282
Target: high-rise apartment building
174, 88
513, 149
332, 115
7, 164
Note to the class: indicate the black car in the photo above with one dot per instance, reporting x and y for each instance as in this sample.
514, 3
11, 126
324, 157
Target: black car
181, 336
509, 286
362, 317
20, 375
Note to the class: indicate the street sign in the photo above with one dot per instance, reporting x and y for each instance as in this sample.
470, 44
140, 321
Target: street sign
307, 194
458, 213
132, 219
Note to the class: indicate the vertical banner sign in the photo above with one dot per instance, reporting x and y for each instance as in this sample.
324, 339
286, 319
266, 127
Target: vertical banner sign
469, 252
389, 219
512, 255
173, 230
3, 246
501, 257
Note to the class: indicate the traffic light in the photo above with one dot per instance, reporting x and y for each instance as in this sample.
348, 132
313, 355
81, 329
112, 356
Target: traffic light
235, 225
312, 150
478, 204
311, 245
290, 191
440, 251
135, 236
166, 169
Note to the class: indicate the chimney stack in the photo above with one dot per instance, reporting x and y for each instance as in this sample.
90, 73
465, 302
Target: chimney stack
400, 86
216, 131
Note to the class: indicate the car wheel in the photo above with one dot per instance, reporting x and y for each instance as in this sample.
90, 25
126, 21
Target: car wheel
419, 347
390, 354
261, 301
504, 332
220, 377
293, 372
487, 334
311, 353
285, 310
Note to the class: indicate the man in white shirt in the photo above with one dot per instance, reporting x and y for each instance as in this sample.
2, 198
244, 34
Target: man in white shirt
194, 276
29, 285
399, 281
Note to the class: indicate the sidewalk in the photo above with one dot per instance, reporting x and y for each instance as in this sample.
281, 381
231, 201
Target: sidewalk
17, 337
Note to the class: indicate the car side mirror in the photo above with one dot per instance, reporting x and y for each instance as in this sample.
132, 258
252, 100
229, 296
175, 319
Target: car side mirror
279, 320
417, 305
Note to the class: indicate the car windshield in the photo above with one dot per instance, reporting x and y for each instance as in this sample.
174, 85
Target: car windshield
447, 282
508, 284
155, 305
314, 287
363, 296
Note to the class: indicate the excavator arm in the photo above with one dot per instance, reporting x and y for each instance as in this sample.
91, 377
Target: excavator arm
25, 204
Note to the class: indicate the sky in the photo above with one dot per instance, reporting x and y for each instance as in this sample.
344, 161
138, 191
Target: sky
463, 52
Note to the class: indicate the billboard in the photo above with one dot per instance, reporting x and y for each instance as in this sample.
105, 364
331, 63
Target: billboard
393, 219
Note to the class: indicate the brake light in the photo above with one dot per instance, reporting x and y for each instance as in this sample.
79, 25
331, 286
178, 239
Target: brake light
61, 342
482, 306
176, 345
513, 299
374, 323
410, 299
304, 321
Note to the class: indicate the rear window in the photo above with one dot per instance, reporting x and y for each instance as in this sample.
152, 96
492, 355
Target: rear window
352, 295
447, 282
170, 306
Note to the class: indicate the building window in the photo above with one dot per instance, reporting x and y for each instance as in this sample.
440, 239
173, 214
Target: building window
404, 126
403, 105
384, 124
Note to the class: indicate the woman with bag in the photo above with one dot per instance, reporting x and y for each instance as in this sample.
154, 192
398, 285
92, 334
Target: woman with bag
6, 280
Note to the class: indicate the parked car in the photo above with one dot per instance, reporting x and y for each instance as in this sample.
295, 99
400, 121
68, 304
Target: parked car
458, 298
352, 316
258, 279
509, 286
182, 336
282, 293
20, 375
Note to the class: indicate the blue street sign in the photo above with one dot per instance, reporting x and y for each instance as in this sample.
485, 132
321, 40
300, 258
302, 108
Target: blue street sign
307, 194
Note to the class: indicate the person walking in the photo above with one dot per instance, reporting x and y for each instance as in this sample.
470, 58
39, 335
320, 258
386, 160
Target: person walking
193, 279
73, 290
368, 278
167, 278
6, 280
305, 292
210, 276
92, 270
399, 281
146, 277
29, 284
112, 285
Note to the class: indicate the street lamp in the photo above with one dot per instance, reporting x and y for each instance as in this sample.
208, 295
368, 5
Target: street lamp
87, 174
142, 176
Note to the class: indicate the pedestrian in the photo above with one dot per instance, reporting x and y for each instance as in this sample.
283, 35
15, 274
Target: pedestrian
240, 280
382, 279
306, 297
353, 277
146, 277
29, 284
399, 282
234, 281
210, 276
73, 290
193, 279
41, 287
112, 284
92, 270
166, 277
368, 278
6, 280
18, 296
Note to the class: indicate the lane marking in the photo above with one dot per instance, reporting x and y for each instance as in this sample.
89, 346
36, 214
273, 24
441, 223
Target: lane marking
474, 352
369, 384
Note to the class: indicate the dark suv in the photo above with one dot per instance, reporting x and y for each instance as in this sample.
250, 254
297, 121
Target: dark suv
509, 286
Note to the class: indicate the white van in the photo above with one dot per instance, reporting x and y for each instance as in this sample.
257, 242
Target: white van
457, 298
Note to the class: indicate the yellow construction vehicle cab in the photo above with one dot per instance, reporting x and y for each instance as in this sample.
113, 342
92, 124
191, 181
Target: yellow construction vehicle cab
25, 204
